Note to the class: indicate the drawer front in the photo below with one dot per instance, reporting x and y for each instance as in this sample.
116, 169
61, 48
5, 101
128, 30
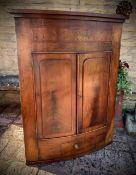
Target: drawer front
80, 146
67, 147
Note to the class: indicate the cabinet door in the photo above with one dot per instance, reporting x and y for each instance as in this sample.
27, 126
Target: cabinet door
93, 88
55, 87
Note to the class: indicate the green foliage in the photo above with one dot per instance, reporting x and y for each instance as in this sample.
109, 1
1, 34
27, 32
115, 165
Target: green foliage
124, 84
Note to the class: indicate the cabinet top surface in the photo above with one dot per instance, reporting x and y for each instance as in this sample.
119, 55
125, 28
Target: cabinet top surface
44, 13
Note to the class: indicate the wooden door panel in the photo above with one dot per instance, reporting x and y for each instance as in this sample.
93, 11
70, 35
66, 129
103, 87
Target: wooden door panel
55, 87
94, 70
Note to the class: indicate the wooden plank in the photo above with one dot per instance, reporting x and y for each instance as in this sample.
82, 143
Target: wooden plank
27, 90
71, 13
116, 39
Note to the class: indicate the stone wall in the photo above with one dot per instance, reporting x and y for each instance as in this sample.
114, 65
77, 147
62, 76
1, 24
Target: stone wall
8, 48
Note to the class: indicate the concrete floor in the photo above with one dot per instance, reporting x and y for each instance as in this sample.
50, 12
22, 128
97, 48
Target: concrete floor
119, 158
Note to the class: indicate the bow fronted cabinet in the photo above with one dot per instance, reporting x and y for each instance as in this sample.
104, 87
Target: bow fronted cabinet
68, 63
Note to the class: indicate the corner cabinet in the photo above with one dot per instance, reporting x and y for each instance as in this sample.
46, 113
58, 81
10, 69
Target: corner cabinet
68, 63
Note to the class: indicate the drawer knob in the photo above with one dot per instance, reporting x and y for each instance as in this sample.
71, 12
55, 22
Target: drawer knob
76, 146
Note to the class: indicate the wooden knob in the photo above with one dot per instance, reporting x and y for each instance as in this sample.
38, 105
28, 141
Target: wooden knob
76, 146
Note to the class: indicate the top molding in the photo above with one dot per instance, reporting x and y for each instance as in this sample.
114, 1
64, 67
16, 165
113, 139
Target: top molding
55, 14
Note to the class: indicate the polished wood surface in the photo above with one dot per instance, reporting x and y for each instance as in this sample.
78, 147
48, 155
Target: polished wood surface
94, 73
68, 65
67, 35
55, 84
66, 15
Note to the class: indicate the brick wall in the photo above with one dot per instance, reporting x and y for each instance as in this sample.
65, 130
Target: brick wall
8, 50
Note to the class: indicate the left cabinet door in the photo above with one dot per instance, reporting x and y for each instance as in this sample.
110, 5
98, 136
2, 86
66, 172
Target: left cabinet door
55, 94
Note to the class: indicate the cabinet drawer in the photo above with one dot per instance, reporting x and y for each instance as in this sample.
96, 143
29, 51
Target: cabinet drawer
77, 146
74, 148
71, 145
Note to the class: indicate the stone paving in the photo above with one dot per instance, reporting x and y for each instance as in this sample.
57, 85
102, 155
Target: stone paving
119, 158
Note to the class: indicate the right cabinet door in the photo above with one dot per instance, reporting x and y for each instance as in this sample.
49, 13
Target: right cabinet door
92, 90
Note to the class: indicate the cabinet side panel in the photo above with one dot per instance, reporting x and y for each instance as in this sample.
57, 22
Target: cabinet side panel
23, 31
116, 38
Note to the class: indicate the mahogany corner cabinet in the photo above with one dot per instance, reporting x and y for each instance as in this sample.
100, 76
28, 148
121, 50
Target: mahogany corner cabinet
68, 63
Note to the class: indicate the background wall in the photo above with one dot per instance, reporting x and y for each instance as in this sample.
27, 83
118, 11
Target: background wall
8, 48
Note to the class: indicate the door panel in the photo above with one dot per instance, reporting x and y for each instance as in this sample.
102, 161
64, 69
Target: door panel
93, 86
55, 85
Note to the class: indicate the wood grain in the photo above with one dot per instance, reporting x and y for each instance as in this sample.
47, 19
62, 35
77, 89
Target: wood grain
68, 66
55, 81
116, 34
27, 88
93, 87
